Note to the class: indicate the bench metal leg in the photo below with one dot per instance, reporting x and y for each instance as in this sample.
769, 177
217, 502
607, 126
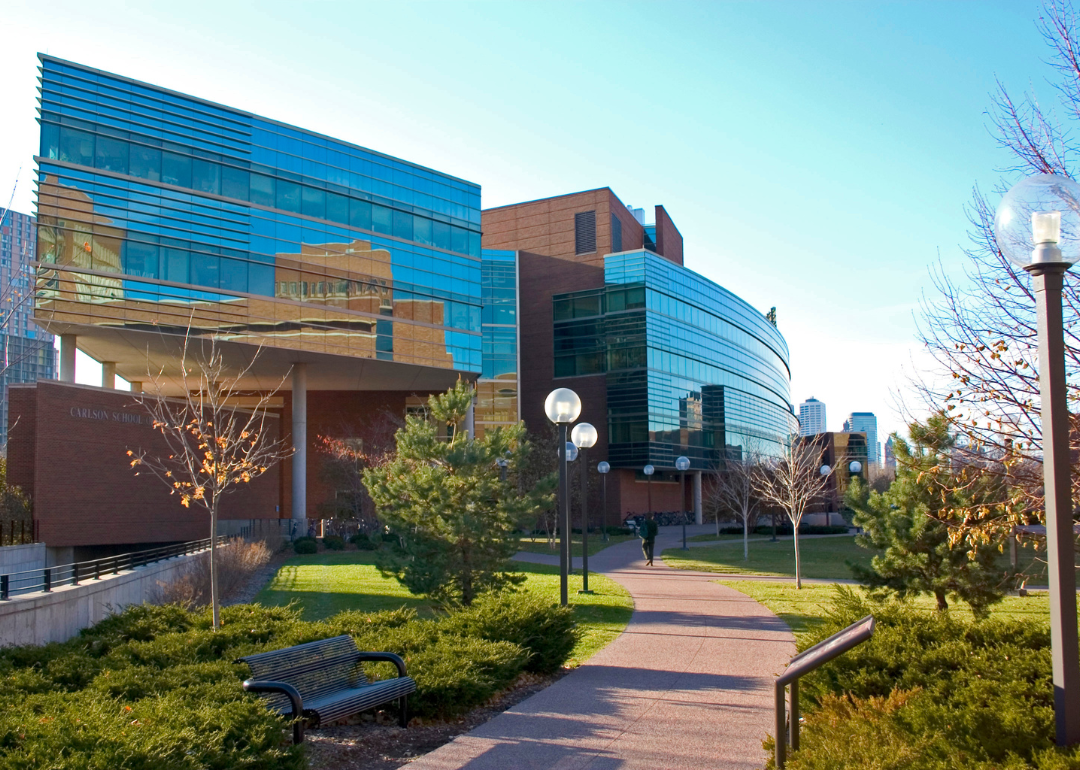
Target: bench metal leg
403, 710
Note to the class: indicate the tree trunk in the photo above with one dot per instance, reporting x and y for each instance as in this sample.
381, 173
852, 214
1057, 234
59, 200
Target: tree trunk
798, 574
746, 538
718, 523
214, 600
942, 605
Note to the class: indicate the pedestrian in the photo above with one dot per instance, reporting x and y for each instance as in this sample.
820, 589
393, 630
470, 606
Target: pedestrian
647, 531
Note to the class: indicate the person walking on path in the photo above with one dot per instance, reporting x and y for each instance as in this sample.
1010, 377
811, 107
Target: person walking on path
648, 532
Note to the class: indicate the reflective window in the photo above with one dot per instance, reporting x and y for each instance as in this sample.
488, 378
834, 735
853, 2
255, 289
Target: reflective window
176, 169
422, 231
263, 190
145, 162
112, 155
141, 259
206, 270
205, 176
360, 214
76, 146
337, 208
235, 182
176, 265
403, 225
313, 202
288, 196
381, 220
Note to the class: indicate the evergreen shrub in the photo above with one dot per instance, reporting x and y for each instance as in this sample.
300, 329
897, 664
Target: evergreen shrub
305, 545
333, 543
363, 542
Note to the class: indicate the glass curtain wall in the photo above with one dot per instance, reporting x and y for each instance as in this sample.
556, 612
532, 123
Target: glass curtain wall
691, 368
497, 389
154, 202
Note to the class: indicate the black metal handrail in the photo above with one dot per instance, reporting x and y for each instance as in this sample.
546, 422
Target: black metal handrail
38, 580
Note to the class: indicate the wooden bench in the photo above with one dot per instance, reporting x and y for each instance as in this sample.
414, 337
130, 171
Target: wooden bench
323, 681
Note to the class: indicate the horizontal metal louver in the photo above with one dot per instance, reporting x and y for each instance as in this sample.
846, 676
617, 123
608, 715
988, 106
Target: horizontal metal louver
585, 232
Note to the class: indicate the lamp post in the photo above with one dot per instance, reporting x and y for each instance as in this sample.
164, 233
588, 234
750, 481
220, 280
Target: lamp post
568, 542
584, 436
648, 471
562, 407
1038, 228
502, 462
602, 468
682, 465
825, 470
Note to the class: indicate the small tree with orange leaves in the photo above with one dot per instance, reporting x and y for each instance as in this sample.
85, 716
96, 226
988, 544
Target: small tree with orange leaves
214, 445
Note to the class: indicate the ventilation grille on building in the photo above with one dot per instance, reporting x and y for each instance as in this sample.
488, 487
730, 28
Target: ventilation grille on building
585, 232
616, 234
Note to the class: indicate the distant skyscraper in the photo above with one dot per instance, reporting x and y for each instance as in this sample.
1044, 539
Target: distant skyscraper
26, 352
811, 417
890, 458
865, 422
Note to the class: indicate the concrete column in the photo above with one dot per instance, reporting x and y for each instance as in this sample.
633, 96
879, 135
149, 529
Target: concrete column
108, 374
699, 515
299, 439
136, 386
67, 357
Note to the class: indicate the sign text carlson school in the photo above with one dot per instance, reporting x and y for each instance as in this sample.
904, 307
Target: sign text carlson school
86, 413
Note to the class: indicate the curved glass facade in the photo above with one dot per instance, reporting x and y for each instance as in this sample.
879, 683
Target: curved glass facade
155, 208
691, 368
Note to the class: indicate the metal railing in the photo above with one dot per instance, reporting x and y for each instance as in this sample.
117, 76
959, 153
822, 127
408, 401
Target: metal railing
49, 578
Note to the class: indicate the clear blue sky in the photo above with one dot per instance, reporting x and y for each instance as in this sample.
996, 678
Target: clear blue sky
816, 156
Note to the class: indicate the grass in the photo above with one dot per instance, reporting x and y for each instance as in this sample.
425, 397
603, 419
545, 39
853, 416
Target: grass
822, 558
596, 544
714, 536
805, 609
327, 583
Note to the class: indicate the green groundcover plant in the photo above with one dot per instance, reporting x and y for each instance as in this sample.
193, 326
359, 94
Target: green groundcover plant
155, 688
928, 692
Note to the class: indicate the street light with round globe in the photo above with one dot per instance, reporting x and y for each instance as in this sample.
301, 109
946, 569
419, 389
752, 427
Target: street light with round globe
1037, 227
682, 465
584, 436
562, 407
855, 467
602, 468
648, 470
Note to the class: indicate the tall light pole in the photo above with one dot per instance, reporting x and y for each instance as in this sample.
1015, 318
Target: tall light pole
568, 542
682, 465
562, 407
825, 470
1038, 228
584, 436
648, 470
602, 468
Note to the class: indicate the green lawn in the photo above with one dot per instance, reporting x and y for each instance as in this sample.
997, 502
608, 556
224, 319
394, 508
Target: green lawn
804, 609
714, 536
821, 557
327, 583
596, 544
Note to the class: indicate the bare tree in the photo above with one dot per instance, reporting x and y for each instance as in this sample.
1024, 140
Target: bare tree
793, 482
214, 447
733, 491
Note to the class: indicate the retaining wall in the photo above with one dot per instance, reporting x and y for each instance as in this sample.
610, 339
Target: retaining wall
39, 618
22, 558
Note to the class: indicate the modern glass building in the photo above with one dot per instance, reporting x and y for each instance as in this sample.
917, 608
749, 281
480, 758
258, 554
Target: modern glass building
497, 388
156, 209
691, 368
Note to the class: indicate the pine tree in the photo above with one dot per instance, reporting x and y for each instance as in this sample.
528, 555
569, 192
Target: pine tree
441, 493
902, 523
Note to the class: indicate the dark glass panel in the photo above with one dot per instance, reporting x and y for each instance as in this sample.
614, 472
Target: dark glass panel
337, 208
313, 202
111, 155
564, 309
76, 146
261, 279
262, 190
459, 240
50, 141
176, 265
234, 274
145, 162
564, 366
475, 247
422, 231
141, 259
403, 225
360, 214
587, 306
206, 270
381, 219
288, 196
206, 176
176, 169
235, 182
440, 232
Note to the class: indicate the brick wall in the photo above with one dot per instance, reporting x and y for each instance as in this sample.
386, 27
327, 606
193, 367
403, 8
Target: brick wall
669, 243
68, 451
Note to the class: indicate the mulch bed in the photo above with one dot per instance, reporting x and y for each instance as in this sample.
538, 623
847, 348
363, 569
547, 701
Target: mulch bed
376, 742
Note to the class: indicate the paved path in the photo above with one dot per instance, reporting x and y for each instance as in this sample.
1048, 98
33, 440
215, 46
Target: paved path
687, 685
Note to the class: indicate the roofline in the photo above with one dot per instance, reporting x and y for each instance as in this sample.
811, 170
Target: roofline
556, 197
48, 57
670, 219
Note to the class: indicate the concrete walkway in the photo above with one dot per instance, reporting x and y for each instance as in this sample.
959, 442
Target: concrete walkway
687, 685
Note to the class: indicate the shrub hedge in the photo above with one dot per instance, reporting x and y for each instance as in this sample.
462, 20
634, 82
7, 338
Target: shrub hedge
305, 545
930, 691
154, 688
333, 543
362, 541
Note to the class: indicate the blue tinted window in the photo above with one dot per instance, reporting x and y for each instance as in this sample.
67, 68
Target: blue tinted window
381, 220
235, 182
337, 208
314, 202
145, 162
234, 274
176, 265
50, 141
112, 155
459, 240
441, 235
261, 279
206, 176
141, 259
360, 214
422, 231
176, 169
205, 270
76, 146
288, 196
262, 190
403, 225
